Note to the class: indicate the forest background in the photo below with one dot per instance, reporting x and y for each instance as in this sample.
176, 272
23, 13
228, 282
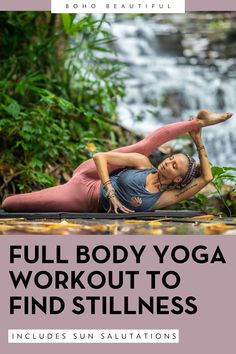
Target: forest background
58, 102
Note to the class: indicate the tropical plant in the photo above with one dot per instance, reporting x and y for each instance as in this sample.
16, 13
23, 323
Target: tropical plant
222, 176
59, 85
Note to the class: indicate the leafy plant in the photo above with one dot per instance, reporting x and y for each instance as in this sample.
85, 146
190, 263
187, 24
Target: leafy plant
221, 176
59, 85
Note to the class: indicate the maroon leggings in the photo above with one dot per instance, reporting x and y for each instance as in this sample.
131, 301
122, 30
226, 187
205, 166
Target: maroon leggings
81, 192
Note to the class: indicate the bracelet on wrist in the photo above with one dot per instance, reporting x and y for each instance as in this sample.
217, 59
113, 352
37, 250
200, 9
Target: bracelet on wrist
201, 147
106, 183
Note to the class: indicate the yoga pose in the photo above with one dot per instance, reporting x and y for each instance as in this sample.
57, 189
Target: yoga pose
125, 180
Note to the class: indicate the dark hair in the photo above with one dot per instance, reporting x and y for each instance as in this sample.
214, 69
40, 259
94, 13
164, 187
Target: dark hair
157, 157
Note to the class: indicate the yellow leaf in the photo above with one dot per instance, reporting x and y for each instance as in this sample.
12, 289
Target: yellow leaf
155, 223
204, 217
216, 228
6, 227
143, 231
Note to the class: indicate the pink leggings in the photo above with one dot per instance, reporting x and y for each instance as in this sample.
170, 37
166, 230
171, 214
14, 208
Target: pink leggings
81, 192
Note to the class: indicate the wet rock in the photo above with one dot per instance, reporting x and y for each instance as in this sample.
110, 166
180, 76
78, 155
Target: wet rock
220, 99
176, 101
170, 45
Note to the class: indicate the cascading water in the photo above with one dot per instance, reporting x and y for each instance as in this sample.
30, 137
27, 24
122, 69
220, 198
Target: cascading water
166, 83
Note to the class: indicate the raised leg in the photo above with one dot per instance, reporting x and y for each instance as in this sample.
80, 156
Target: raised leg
146, 146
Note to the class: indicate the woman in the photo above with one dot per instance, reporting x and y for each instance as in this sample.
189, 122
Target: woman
125, 180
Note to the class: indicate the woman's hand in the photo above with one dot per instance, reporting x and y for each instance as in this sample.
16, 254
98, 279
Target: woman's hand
116, 205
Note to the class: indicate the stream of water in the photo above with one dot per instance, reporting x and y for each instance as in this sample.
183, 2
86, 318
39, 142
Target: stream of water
170, 80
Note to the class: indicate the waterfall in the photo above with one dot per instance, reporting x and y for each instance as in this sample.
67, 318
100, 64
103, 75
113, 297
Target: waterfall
167, 81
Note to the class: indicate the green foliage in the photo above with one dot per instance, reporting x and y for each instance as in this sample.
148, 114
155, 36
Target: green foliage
221, 176
219, 25
198, 202
59, 85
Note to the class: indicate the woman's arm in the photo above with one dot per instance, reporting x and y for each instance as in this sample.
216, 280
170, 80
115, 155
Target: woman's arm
174, 196
122, 160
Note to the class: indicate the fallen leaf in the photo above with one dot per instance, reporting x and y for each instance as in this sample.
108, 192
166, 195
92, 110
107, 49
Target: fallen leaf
6, 227
204, 217
216, 228
154, 223
143, 231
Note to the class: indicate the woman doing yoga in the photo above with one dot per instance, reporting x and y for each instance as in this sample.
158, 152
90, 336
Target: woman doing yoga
125, 180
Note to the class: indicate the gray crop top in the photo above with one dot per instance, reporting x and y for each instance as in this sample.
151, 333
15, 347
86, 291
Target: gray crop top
129, 185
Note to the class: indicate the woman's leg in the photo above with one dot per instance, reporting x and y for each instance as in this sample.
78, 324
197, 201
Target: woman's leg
66, 197
146, 146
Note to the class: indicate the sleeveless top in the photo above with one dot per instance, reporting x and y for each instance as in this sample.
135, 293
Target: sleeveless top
129, 185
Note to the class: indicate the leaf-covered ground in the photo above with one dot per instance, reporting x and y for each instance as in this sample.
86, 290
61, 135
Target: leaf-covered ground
205, 225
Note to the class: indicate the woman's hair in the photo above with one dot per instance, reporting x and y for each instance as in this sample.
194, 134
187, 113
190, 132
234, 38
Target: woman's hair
194, 168
191, 172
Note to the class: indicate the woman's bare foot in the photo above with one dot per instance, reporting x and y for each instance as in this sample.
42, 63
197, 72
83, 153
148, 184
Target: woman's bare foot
206, 117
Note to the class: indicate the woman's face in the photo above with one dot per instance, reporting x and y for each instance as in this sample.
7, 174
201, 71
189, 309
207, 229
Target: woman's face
174, 167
